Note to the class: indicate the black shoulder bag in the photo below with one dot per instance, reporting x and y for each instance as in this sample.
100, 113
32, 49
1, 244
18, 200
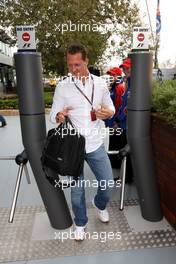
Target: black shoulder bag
64, 151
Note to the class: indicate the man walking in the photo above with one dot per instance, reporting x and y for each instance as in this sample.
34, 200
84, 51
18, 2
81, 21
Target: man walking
85, 98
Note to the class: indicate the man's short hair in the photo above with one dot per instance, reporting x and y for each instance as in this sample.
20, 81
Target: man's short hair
77, 48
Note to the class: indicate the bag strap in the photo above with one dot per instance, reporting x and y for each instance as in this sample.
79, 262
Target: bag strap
65, 124
68, 121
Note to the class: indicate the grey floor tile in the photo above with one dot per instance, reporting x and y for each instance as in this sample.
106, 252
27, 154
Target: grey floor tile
139, 224
145, 256
29, 198
31, 237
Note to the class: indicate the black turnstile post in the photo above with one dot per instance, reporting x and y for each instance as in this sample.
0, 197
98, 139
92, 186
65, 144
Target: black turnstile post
33, 127
139, 135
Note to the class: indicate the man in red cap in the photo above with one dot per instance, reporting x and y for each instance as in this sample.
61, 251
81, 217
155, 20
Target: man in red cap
117, 88
122, 113
126, 67
116, 92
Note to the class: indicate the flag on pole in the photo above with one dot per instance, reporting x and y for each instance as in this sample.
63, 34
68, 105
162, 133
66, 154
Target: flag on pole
158, 18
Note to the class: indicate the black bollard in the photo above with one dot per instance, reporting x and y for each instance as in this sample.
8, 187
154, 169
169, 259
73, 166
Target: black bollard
33, 126
139, 135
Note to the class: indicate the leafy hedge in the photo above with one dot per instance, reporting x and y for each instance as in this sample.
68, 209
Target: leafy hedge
9, 103
12, 103
164, 99
48, 97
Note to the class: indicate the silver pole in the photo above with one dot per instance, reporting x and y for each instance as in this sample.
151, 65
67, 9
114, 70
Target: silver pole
7, 158
27, 174
150, 22
16, 191
122, 193
113, 152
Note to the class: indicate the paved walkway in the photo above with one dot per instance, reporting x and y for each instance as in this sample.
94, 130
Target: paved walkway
11, 145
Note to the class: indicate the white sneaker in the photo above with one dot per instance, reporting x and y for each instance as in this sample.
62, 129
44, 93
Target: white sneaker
103, 215
79, 233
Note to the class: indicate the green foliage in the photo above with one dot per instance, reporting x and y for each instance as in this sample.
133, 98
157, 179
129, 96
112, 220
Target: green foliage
12, 103
49, 88
48, 97
9, 103
49, 16
164, 99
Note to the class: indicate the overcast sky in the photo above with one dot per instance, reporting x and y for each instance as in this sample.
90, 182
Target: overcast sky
168, 20
168, 34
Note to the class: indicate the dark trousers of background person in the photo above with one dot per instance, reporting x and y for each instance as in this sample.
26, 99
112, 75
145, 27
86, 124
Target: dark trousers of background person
2, 121
117, 142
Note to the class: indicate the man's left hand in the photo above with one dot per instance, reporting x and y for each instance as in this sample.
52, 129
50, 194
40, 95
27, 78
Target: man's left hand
104, 113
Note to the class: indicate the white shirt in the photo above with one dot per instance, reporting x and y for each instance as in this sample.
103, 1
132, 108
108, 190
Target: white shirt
67, 95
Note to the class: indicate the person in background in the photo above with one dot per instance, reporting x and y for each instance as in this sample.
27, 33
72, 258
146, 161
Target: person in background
122, 114
94, 71
117, 88
2, 121
116, 92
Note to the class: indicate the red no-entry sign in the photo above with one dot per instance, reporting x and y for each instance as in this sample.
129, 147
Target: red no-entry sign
140, 37
26, 36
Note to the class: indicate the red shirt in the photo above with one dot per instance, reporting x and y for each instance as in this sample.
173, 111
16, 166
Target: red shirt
119, 91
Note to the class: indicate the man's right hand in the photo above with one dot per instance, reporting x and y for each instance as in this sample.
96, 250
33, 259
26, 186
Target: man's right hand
60, 117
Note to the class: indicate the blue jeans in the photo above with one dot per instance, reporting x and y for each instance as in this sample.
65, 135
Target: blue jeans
100, 165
